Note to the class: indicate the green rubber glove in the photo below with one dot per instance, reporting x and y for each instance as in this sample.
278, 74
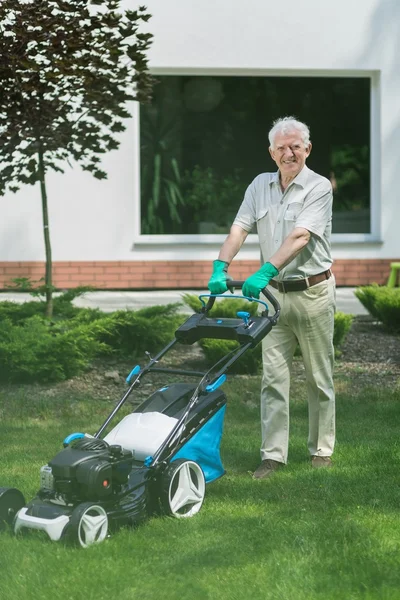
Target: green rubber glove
219, 277
257, 282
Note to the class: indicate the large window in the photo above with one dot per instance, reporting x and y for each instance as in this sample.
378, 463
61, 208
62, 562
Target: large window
204, 138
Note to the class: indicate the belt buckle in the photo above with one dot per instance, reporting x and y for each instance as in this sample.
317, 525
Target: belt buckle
307, 282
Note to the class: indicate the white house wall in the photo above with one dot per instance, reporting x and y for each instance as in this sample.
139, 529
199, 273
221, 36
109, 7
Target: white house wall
96, 220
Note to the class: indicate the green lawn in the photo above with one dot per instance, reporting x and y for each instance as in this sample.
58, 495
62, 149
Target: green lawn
302, 535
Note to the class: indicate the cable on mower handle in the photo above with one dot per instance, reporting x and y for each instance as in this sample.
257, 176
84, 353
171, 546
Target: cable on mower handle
232, 284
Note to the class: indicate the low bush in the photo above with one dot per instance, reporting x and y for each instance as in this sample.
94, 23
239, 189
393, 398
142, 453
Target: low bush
388, 309
33, 348
341, 329
86, 315
62, 306
163, 311
133, 333
36, 350
19, 312
367, 295
382, 303
248, 364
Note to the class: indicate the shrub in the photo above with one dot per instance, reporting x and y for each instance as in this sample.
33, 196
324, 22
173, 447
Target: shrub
367, 295
249, 363
382, 303
163, 311
341, 329
86, 315
32, 348
62, 306
37, 351
388, 308
19, 312
134, 332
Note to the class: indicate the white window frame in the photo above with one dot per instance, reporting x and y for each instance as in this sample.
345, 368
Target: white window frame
338, 239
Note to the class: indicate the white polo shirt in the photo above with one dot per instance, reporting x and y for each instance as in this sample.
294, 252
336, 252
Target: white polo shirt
307, 203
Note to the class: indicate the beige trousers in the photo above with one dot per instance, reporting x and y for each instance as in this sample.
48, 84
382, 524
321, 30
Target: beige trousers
306, 317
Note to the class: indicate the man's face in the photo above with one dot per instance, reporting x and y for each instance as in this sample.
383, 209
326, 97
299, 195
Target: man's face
289, 153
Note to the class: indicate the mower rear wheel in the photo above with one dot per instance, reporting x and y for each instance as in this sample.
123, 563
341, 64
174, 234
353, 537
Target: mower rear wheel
11, 501
183, 488
88, 525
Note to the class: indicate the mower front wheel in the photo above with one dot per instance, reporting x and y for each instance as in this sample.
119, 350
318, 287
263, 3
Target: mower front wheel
11, 501
88, 525
183, 488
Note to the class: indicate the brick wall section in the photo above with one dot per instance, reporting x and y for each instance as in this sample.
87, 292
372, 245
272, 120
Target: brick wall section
173, 274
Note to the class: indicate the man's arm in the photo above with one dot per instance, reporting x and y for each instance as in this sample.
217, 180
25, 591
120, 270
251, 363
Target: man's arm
291, 247
232, 244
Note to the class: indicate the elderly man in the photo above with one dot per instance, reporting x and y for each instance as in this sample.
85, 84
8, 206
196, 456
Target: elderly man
292, 210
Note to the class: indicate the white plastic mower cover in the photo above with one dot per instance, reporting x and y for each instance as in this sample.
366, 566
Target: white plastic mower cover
142, 433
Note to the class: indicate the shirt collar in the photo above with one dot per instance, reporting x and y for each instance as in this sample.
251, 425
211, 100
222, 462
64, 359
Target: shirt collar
274, 178
300, 179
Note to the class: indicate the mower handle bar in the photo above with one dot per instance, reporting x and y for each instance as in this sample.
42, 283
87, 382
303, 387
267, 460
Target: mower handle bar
277, 308
238, 284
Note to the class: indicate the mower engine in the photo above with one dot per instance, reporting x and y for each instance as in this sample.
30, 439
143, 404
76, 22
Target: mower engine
88, 469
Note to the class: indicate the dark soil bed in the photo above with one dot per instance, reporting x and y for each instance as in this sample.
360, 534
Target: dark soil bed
369, 342
370, 356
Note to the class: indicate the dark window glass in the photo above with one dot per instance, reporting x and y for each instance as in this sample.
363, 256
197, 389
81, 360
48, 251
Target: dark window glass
205, 138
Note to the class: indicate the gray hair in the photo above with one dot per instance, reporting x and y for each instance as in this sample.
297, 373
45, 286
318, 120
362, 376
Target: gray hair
287, 125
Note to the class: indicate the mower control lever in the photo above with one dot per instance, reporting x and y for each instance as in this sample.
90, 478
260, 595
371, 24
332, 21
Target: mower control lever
134, 371
216, 384
245, 316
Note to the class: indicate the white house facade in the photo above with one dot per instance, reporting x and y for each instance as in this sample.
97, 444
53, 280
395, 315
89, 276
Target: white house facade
97, 232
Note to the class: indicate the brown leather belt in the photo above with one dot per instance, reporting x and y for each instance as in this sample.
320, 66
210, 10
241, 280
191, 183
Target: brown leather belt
299, 285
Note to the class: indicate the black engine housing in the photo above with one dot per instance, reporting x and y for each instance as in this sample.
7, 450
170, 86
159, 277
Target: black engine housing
90, 469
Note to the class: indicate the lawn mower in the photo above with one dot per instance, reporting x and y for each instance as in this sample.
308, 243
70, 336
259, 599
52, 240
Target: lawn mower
158, 458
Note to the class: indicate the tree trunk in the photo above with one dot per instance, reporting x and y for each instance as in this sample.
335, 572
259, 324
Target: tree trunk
48, 281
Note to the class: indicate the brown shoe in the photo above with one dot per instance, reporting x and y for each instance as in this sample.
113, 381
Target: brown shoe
266, 469
321, 462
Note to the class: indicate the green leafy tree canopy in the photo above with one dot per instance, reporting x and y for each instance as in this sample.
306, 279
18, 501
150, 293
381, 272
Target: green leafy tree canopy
67, 70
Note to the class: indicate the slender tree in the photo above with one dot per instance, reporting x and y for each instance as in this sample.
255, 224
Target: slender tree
67, 72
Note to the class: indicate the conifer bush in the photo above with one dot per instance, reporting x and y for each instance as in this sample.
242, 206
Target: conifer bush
342, 326
248, 364
36, 349
382, 303
367, 295
132, 333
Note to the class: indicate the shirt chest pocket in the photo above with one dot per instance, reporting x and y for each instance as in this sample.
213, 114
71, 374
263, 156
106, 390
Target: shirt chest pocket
292, 211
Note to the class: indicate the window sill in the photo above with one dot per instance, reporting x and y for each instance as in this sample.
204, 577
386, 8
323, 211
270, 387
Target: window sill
252, 239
